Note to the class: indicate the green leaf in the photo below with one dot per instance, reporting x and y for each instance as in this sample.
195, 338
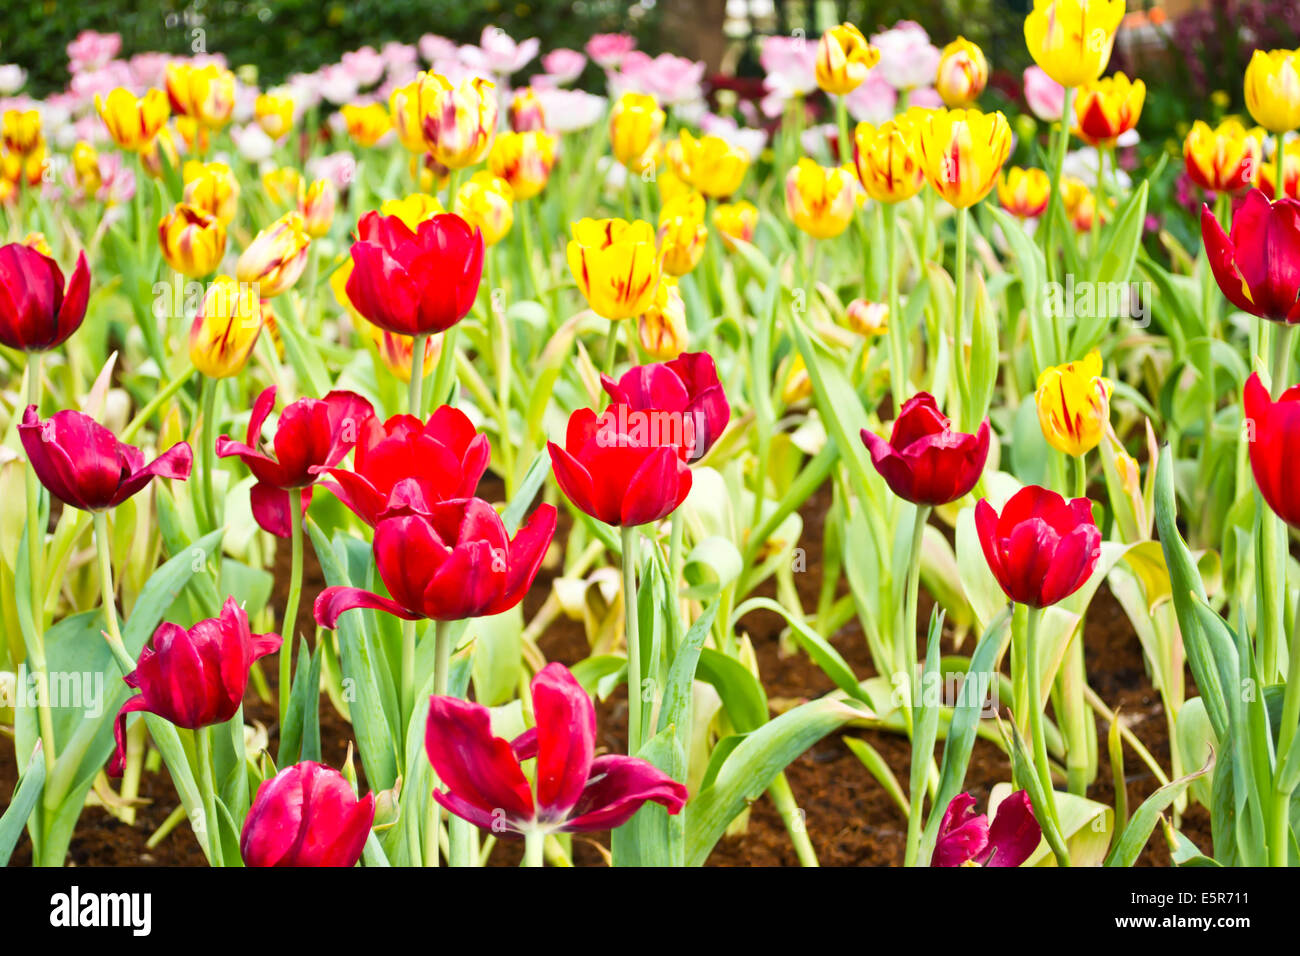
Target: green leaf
1128, 847
22, 804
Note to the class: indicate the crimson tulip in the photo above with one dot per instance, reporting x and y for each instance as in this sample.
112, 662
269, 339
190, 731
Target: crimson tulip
83, 464
621, 467
1258, 266
311, 434
306, 815
968, 839
453, 563
404, 465
687, 388
1274, 446
415, 283
1041, 548
575, 791
193, 678
37, 312
925, 461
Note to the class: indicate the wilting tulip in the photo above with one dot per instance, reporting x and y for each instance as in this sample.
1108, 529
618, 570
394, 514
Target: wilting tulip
963, 73
622, 467
21, 131
412, 209
1108, 108
226, 327
615, 265
414, 282
1223, 160
1273, 89
968, 839
820, 199
1024, 192
635, 123
453, 563
524, 160
276, 257
526, 112
1074, 405
1041, 548
82, 463
687, 389
1079, 203
458, 120
404, 114
193, 678
887, 161
306, 815
682, 233
367, 123
868, 319
212, 188
575, 791
661, 329
844, 57
132, 122
192, 240
317, 207
962, 152
310, 436
712, 165
405, 465
206, 94
1257, 266
37, 312
1274, 443
925, 461
283, 185
486, 202
1072, 39
274, 113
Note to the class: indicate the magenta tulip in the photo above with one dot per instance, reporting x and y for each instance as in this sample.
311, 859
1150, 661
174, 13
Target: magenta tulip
306, 815
968, 839
686, 388
37, 312
925, 461
1041, 548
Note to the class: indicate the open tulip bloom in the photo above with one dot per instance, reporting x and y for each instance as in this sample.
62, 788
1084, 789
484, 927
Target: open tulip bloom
306, 815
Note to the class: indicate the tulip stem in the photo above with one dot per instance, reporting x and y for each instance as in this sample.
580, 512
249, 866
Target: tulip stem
534, 844
107, 590
842, 123
208, 448
36, 571
611, 348
959, 324
633, 641
897, 341
414, 396
211, 825
1273, 537
1279, 839
1279, 188
288, 624
908, 640
445, 373
1034, 705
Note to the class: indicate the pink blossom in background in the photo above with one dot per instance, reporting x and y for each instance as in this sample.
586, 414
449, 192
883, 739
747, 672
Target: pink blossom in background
1046, 97
907, 57
433, 47
117, 181
305, 88
337, 84
365, 65
790, 64
874, 101
821, 140
608, 49
399, 56
926, 97
563, 66
339, 168
252, 143
751, 141
149, 69
498, 53
674, 80
570, 110
245, 103
12, 79
101, 80
91, 50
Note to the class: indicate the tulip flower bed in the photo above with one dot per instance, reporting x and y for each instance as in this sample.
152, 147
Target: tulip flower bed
431, 467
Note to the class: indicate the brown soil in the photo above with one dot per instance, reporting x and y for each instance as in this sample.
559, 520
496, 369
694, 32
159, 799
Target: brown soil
850, 819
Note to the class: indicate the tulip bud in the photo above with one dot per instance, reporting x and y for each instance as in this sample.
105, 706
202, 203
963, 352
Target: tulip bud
276, 257
844, 57
1226, 159
1041, 549
1080, 205
1074, 405
962, 74
132, 122
868, 319
526, 112
886, 160
274, 113
317, 207
635, 123
306, 815
1072, 39
206, 94
212, 188
1024, 192
820, 199
367, 124
661, 329
925, 461
225, 329
712, 165
615, 264
682, 234
524, 160
458, 120
192, 241
487, 203
735, 221
1273, 89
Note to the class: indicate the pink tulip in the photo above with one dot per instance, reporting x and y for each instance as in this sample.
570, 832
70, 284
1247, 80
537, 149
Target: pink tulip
91, 50
563, 66
790, 64
306, 815
365, 65
568, 111
907, 57
968, 839
874, 101
1046, 97
608, 49
498, 53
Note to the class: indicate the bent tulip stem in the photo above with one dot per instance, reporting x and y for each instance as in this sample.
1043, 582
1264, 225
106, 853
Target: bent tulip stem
35, 567
633, 641
288, 624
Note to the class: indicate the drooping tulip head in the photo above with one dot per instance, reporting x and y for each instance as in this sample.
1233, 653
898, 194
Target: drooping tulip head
968, 839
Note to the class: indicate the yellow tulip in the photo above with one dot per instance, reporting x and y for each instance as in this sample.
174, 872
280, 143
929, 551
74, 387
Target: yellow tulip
615, 265
85, 166
885, 158
429, 174
404, 114
1074, 405
153, 152
844, 57
524, 160
820, 200
1273, 89
458, 120
1072, 39
132, 122
796, 385
962, 74
661, 328
284, 185
635, 123
962, 152
712, 165
412, 209
192, 241
1024, 192
737, 220
682, 234
317, 207
276, 257
367, 124
22, 131
274, 113
487, 202
206, 94
197, 137
398, 351
1226, 159
868, 319
213, 188
1080, 204
1107, 108
225, 329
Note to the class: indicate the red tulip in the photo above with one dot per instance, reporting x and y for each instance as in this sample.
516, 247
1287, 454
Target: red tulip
622, 466
967, 839
925, 461
1258, 268
1041, 549
575, 791
1274, 446
306, 815
404, 465
415, 283
687, 388
193, 678
451, 564
311, 434
36, 311
84, 465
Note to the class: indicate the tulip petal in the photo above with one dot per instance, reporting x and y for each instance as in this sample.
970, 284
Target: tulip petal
273, 510
617, 788
1014, 834
333, 601
175, 462
473, 765
566, 740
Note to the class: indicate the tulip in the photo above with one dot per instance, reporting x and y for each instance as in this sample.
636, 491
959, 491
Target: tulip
37, 311
225, 328
82, 463
1072, 39
397, 352
317, 208
1045, 97
415, 282
661, 329
925, 461
367, 124
1258, 266
212, 188
687, 388
487, 204
312, 435
274, 114
306, 815
962, 74
820, 199
712, 165
453, 563
1273, 89
524, 160
412, 209
404, 115
192, 241
886, 160
276, 257
284, 186
193, 678
1108, 108
615, 265
403, 465
1274, 437
195, 135
635, 123
682, 233
1041, 548
968, 839
1024, 192
1079, 202
21, 132
868, 319
962, 152
735, 221
132, 122
85, 167
526, 112
1074, 405
206, 94
844, 57
458, 120
575, 791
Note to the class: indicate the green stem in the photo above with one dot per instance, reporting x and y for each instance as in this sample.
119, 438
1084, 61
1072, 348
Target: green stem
1060, 145
633, 641
408, 671
414, 390
142, 417
908, 638
534, 844
898, 360
211, 826
458, 844
611, 348
783, 797
444, 375
676, 556
1273, 535
959, 321
36, 571
288, 624
1034, 702
1100, 203
842, 122
207, 449
1279, 829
